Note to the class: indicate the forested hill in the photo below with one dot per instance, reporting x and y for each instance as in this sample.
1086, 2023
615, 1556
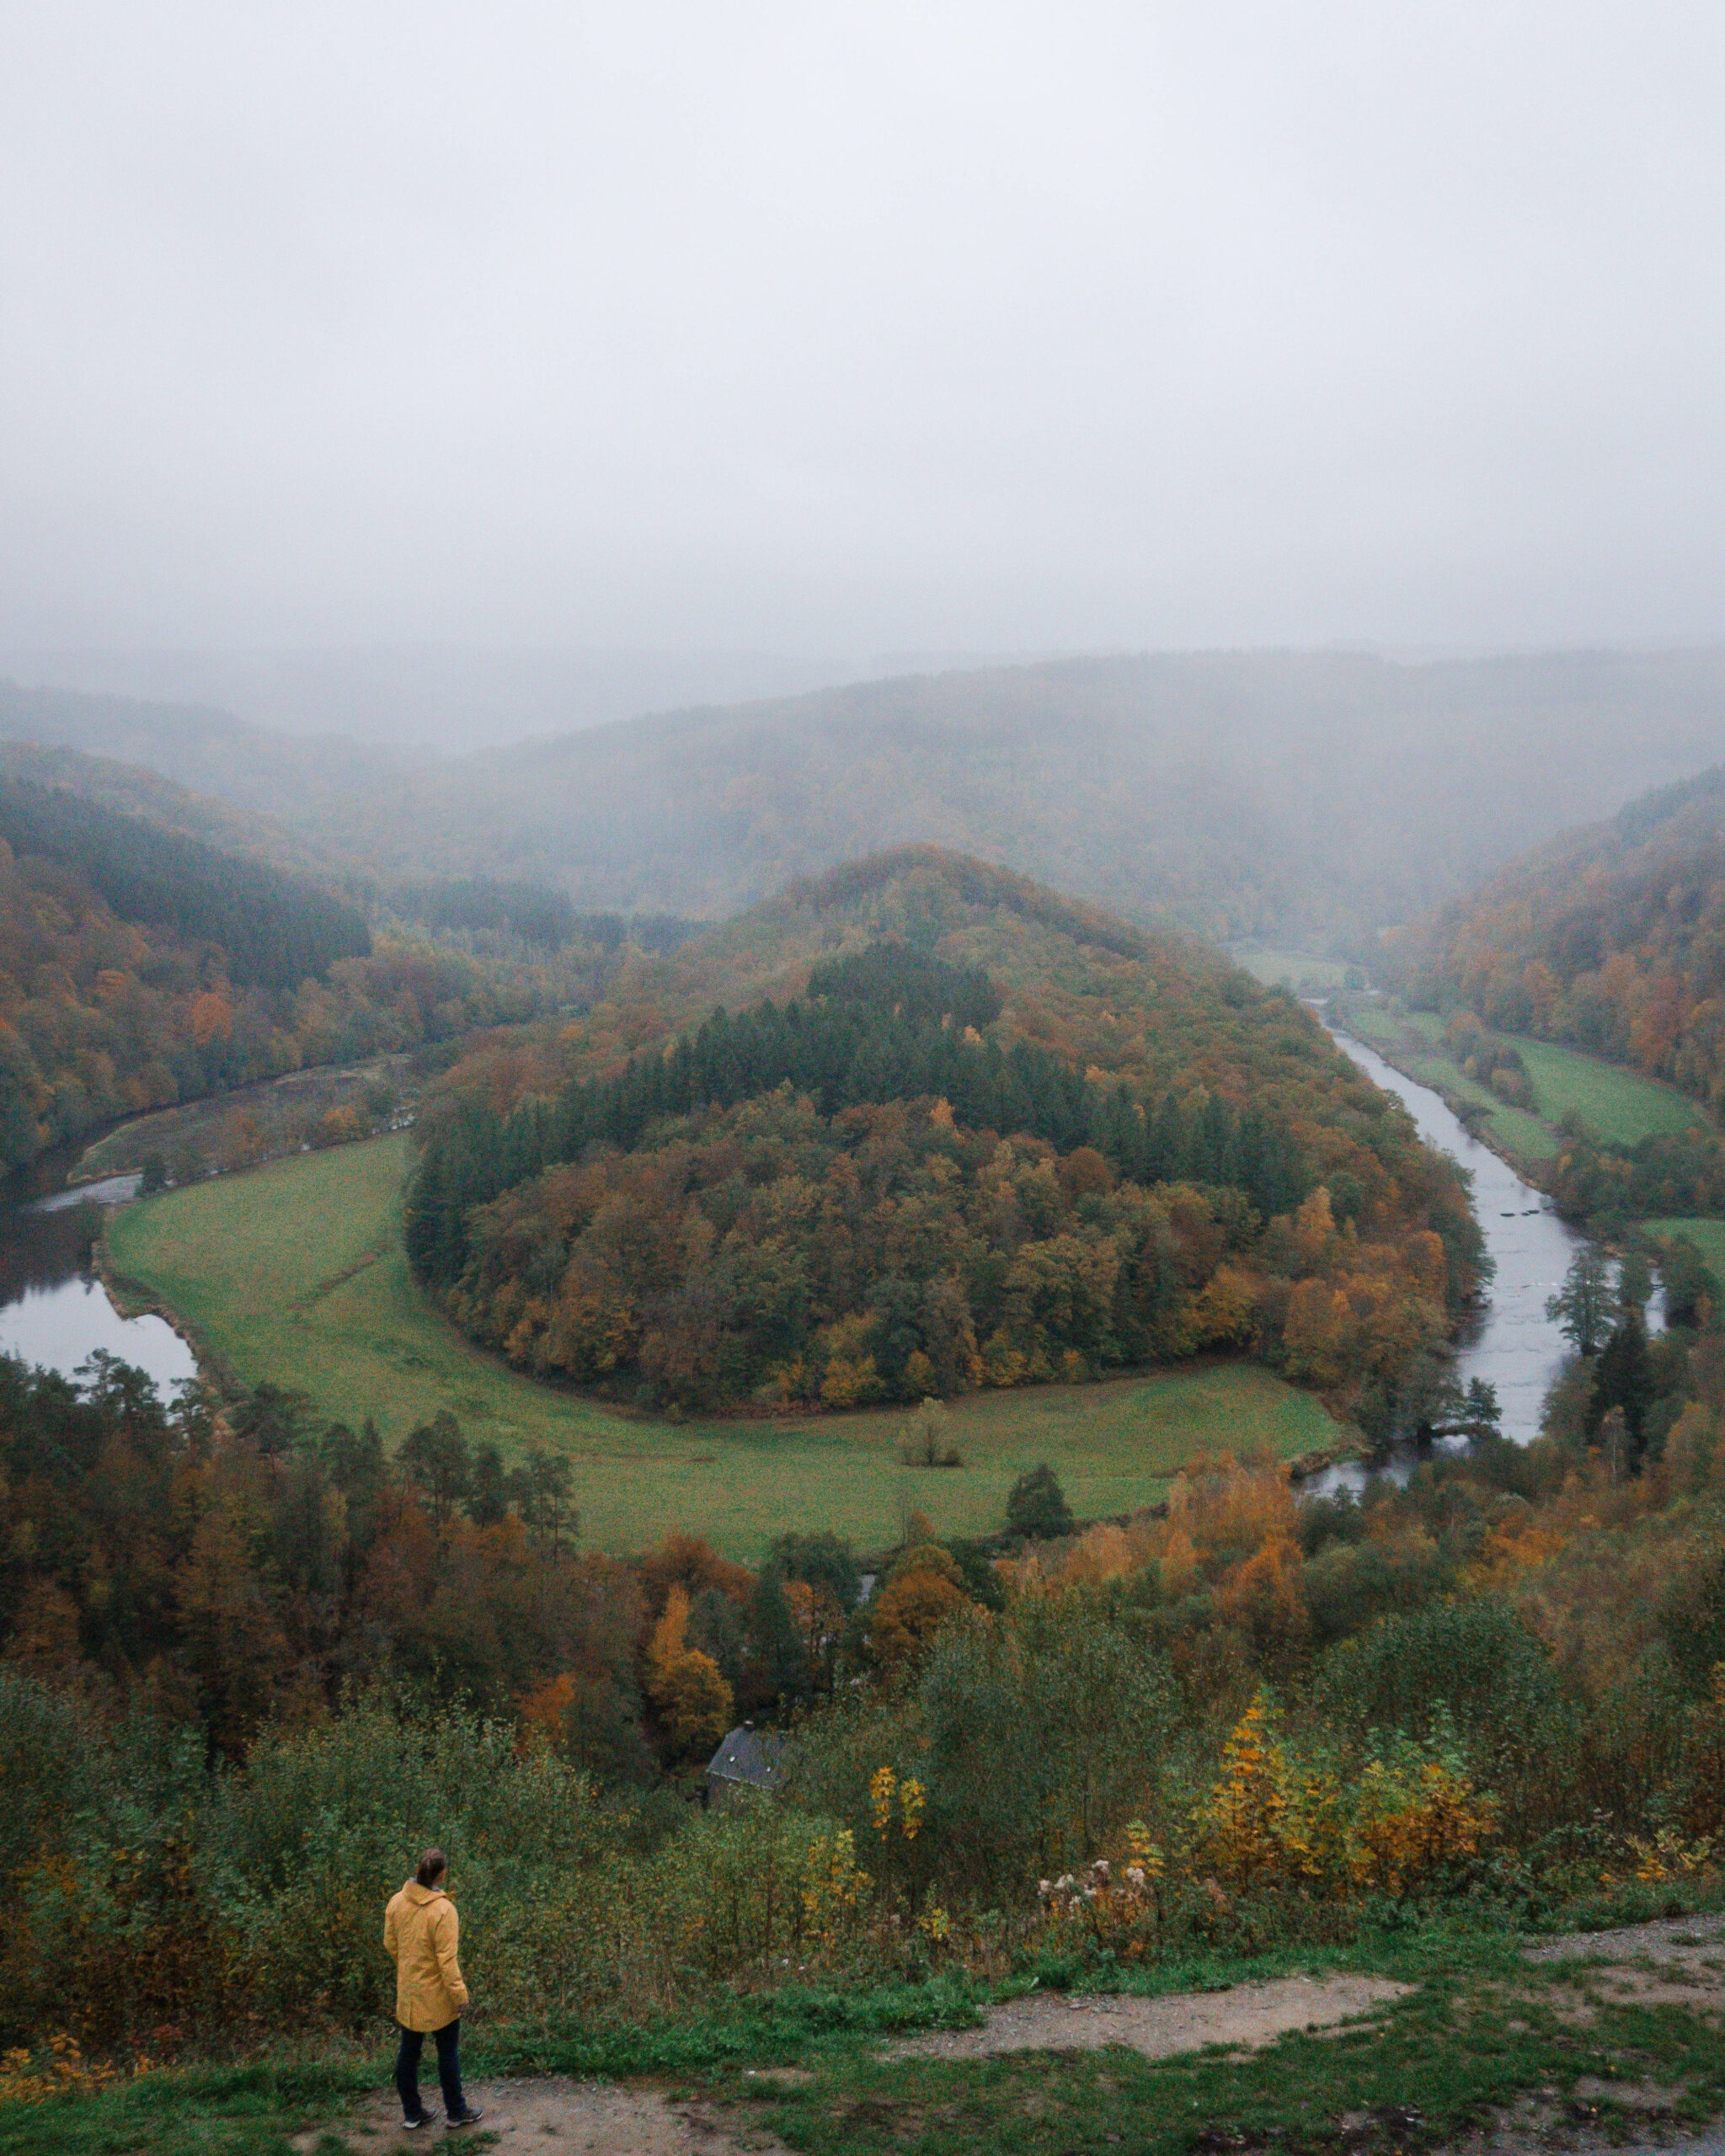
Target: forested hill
1611, 939
270, 930
976, 1135
1271, 794
139, 967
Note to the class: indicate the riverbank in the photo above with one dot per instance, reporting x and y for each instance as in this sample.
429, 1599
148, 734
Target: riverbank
1510, 1343
1617, 1106
223, 1133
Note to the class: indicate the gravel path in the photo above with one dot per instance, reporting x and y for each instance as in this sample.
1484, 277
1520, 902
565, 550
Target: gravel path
1244, 2017
1668, 1940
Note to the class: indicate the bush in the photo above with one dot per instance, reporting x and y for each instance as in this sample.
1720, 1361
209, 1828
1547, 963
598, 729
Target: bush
1037, 1506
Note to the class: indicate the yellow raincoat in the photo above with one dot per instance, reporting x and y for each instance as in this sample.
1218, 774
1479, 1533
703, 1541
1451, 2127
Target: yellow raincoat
420, 1928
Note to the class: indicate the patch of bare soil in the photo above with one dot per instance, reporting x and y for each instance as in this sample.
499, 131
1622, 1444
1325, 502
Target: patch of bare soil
557, 2113
1245, 2017
1677, 1961
1670, 1939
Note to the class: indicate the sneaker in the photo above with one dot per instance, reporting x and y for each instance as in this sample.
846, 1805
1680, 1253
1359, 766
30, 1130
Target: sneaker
425, 2118
471, 2117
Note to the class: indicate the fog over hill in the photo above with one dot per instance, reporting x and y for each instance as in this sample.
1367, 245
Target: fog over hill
1309, 796
450, 698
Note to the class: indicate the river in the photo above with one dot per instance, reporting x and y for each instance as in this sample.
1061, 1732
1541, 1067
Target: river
53, 1310
1509, 1342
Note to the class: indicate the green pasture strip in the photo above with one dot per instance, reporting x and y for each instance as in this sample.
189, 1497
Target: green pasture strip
1708, 1236
1298, 969
294, 1274
1413, 1041
1618, 1105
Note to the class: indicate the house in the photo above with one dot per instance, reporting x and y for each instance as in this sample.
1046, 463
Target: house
747, 1761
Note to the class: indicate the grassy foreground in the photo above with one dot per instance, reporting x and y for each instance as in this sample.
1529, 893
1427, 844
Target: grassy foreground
295, 1274
1480, 2030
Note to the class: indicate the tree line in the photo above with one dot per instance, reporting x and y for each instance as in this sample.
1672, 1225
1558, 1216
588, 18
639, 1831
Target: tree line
273, 930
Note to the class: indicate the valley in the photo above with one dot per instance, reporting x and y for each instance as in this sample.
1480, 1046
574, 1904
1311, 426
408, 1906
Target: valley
885, 1317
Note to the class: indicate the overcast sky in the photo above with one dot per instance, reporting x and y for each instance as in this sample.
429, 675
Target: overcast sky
827, 328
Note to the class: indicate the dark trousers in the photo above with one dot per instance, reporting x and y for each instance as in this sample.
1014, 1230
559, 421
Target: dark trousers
449, 2069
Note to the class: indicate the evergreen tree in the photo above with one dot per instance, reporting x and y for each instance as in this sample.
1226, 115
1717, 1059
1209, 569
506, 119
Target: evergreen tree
488, 1487
1037, 1506
1582, 1309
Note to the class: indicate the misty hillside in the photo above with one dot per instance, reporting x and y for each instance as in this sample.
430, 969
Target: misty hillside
135, 790
1610, 938
1308, 797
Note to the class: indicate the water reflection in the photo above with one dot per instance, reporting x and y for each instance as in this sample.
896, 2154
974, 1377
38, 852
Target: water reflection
1509, 1342
53, 1310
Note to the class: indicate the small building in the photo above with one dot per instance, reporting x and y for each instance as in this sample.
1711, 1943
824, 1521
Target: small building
748, 1761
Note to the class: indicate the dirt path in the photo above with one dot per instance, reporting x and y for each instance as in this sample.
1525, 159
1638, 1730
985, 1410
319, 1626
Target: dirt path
1245, 2017
622, 2120
1681, 1960
555, 2113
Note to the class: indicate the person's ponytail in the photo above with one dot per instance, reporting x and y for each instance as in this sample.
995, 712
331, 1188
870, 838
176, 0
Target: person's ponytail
431, 1867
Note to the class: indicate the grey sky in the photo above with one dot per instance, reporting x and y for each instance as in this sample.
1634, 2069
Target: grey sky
861, 327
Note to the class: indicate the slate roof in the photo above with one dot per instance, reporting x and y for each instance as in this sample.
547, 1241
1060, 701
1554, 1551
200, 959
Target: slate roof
748, 1755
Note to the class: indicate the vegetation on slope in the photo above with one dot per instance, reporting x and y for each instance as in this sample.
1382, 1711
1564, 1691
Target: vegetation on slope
1610, 941
270, 932
1245, 1725
1311, 797
142, 967
860, 1193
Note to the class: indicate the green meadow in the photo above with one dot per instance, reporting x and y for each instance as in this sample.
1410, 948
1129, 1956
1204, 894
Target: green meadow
1304, 974
1708, 1236
1618, 1105
1413, 1041
294, 1274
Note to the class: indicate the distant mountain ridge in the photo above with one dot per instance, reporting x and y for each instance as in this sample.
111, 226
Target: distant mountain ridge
1297, 797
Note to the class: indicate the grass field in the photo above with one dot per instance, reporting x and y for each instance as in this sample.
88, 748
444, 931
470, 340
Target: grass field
1708, 1237
1304, 974
1620, 1105
1413, 1041
1616, 1104
295, 1274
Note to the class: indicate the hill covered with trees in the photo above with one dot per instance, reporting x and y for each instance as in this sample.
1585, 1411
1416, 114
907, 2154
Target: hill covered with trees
1310, 797
952, 1130
1611, 940
142, 967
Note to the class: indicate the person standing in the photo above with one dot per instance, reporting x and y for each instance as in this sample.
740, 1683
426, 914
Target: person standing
422, 1931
